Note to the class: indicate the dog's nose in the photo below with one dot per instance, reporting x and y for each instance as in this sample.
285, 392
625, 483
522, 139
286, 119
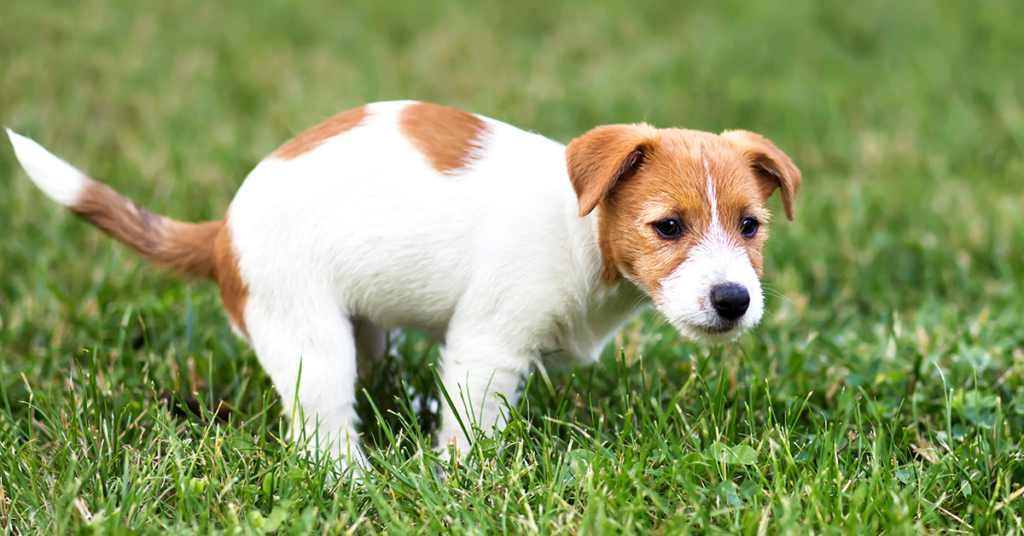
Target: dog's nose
730, 300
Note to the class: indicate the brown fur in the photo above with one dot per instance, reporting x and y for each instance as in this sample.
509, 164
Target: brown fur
196, 249
773, 168
603, 156
310, 139
184, 247
233, 291
596, 163
637, 176
448, 138
740, 195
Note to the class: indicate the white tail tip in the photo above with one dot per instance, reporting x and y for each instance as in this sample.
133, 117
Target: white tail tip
55, 177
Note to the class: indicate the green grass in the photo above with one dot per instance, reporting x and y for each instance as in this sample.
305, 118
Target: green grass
884, 391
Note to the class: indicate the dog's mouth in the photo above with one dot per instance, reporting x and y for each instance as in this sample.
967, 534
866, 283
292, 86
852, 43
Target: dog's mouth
713, 334
718, 329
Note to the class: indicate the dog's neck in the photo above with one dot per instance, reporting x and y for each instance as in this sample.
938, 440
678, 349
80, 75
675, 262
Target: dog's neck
601, 308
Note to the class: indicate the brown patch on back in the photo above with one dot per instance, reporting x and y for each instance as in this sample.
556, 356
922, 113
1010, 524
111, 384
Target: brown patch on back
233, 291
449, 138
184, 247
312, 138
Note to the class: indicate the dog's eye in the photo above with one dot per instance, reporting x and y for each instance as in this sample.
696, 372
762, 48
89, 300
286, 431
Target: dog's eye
748, 227
669, 228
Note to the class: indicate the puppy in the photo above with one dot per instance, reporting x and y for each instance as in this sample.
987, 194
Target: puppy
504, 245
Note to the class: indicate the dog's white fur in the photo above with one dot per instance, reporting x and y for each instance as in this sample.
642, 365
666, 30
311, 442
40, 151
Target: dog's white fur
360, 235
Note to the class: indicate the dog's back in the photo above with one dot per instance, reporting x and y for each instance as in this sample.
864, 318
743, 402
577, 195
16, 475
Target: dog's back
396, 235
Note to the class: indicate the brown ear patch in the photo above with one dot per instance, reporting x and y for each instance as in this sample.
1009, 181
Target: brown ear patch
233, 291
449, 138
773, 167
312, 138
597, 160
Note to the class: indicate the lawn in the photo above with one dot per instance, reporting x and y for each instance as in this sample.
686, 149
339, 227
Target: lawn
883, 392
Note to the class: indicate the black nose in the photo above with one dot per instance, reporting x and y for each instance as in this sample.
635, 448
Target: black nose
730, 300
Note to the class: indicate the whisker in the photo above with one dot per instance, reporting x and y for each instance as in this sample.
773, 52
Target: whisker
630, 305
768, 290
599, 243
620, 237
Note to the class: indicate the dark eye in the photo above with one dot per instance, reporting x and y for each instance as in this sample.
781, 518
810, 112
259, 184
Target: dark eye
669, 228
748, 227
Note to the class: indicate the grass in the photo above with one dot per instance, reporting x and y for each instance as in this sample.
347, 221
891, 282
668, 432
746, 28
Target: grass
884, 392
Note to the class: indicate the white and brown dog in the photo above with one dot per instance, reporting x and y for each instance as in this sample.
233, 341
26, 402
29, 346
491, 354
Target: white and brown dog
503, 244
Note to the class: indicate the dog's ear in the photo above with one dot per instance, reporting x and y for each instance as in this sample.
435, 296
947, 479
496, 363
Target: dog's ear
604, 156
773, 168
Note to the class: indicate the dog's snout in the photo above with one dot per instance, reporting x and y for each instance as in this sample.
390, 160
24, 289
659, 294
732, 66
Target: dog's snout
730, 300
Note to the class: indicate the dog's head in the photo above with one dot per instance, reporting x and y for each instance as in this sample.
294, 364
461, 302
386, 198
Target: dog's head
682, 213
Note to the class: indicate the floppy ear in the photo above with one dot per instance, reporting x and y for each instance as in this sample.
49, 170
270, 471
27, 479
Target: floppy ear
603, 156
773, 168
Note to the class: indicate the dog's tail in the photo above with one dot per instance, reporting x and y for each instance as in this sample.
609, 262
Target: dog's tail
185, 247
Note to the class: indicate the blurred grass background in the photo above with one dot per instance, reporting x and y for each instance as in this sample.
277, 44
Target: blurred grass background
897, 292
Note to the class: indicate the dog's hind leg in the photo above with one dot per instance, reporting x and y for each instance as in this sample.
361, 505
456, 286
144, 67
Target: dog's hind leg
308, 348
373, 342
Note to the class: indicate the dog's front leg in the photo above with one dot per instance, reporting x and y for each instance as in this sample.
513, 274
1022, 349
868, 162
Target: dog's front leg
479, 375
